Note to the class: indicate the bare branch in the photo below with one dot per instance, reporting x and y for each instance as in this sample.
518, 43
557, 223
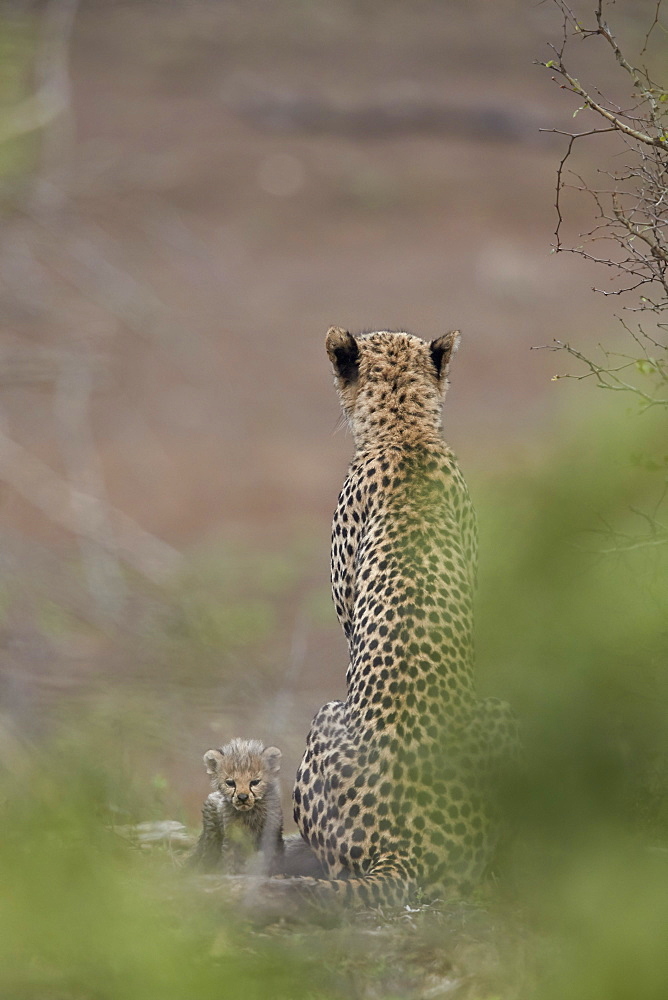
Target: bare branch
642, 234
651, 27
560, 169
589, 102
638, 81
630, 204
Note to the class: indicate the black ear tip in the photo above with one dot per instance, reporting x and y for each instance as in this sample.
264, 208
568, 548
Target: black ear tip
442, 350
337, 337
343, 352
448, 341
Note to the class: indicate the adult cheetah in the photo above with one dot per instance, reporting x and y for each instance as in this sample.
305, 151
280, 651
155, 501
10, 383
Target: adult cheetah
390, 793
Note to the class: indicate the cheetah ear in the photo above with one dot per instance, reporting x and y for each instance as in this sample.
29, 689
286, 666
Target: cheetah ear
272, 758
212, 760
442, 350
343, 353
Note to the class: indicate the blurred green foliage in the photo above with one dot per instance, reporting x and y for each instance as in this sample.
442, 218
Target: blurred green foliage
17, 49
83, 915
573, 611
573, 618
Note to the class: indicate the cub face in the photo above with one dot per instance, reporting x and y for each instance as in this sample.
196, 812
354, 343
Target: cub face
242, 771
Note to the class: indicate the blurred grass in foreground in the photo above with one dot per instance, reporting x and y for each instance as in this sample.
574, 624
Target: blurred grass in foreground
84, 915
573, 629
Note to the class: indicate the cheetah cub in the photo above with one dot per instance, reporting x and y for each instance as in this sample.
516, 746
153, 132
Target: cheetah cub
243, 815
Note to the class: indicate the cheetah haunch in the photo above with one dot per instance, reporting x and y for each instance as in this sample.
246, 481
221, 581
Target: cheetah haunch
390, 791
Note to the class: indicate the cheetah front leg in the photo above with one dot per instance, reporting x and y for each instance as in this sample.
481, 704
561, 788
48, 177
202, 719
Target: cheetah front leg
207, 855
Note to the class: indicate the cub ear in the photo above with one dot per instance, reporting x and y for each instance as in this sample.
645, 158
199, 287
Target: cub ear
272, 758
442, 350
212, 760
343, 353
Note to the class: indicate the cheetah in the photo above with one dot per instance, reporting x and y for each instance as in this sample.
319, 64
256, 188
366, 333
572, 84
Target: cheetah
243, 815
391, 790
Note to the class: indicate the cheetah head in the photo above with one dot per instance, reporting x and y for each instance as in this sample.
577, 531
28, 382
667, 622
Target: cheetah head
242, 771
393, 372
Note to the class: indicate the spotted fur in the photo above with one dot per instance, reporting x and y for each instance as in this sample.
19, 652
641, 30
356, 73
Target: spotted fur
243, 815
391, 791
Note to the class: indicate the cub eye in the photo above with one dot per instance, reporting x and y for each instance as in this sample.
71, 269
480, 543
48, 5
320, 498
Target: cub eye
254, 782
230, 783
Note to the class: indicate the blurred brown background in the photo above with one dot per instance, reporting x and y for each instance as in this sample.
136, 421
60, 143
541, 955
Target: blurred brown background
192, 193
